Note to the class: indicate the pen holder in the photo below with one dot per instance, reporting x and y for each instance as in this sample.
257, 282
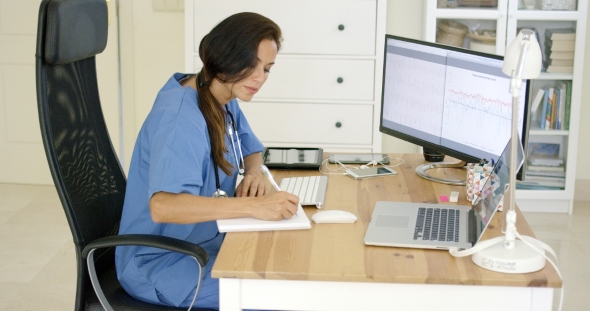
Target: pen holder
477, 176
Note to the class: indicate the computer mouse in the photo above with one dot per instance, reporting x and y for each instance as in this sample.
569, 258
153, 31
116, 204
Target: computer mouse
333, 217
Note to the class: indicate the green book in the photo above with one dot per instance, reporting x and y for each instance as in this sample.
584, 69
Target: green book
568, 104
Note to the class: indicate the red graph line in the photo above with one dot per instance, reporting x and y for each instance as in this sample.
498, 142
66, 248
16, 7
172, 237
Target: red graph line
478, 97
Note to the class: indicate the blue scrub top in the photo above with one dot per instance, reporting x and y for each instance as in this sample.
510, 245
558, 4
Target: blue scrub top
173, 154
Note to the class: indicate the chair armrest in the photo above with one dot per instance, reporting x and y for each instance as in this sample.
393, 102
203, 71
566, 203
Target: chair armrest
150, 240
158, 241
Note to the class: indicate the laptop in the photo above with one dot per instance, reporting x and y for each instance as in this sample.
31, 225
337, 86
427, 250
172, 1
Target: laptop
439, 226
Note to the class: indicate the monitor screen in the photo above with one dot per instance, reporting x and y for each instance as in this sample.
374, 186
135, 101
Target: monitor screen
452, 100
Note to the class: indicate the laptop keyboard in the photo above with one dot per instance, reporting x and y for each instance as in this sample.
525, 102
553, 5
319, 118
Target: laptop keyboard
437, 224
311, 190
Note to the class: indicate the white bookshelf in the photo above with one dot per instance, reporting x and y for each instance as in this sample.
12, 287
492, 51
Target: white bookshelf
505, 19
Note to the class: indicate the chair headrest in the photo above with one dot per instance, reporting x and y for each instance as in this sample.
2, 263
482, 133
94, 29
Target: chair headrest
76, 29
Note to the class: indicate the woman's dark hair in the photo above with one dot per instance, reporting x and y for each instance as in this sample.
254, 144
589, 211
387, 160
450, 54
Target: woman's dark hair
229, 53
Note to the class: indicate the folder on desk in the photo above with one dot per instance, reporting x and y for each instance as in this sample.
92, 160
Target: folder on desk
252, 224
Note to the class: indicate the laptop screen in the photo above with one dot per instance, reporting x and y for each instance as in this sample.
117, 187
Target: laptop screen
494, 189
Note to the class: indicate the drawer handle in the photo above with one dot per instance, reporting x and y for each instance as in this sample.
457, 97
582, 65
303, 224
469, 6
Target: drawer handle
338, 124
340, 27
339, 80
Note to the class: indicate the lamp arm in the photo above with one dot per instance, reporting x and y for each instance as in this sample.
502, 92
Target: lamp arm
515, 86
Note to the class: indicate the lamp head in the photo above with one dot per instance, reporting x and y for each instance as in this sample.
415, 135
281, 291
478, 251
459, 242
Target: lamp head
525, 45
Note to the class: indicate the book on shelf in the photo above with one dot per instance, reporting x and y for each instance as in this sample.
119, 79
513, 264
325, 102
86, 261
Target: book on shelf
559, 62
555, 106
559, 69
568, 104
560, 33
560, 45
543, 168
549, 174
559, 54
534, 185
542, 149
555, 109
544, 107
549, 112
562, 86
545, 181
545, 161
544, 154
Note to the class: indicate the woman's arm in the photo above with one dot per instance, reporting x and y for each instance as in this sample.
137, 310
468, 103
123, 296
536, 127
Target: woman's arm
253, 200
186, 208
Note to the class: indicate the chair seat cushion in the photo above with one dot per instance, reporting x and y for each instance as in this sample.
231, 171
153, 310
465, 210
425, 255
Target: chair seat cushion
119, 299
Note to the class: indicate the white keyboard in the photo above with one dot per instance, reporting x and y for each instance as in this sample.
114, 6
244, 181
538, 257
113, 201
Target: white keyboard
311, 190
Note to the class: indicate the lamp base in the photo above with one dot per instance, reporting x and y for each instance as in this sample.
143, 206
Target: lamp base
521, 259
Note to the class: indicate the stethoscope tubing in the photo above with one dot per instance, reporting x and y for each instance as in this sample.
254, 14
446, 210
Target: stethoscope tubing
231, 129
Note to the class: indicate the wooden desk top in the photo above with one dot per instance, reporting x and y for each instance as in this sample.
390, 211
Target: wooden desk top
336, 252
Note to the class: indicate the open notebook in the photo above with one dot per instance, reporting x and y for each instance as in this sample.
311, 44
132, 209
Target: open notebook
252, 224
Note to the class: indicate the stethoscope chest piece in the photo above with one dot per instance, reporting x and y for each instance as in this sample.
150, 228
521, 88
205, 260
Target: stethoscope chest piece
219, 194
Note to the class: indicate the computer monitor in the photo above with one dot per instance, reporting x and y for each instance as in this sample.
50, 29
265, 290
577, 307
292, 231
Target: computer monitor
448, 99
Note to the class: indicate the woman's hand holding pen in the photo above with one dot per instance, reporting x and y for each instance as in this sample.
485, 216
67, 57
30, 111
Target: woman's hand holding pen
267, 206
276, 206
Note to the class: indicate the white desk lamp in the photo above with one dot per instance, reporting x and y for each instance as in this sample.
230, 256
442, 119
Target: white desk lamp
522, 61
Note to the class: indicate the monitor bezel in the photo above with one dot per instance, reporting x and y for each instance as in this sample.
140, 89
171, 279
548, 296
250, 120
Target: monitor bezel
426, 144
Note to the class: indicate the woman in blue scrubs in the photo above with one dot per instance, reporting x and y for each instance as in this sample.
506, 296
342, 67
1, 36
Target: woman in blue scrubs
184, 160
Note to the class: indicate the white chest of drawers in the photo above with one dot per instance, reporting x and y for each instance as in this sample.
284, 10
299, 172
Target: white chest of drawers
325, 88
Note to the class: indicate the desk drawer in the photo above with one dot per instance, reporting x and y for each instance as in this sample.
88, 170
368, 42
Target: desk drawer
310, 123
308, 26
315, 78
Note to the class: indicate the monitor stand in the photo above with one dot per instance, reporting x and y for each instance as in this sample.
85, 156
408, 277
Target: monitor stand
421, 171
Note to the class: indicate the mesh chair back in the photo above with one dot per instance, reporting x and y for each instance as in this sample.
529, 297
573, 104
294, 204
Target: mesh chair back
82, 160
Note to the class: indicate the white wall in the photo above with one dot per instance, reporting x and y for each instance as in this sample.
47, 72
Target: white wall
404, 18
583, 165
152, 49
152, 44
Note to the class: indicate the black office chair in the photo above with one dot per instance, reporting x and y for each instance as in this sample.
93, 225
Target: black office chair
83, 163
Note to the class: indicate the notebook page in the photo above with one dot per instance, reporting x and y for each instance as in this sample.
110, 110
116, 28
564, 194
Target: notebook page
252, 224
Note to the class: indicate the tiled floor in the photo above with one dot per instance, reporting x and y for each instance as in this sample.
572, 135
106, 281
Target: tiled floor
37, 258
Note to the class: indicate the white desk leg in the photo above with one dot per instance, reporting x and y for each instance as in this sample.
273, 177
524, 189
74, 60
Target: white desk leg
229, 295
542, 299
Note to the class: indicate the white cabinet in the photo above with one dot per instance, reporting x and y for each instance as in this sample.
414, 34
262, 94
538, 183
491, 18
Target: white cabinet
506, 18
325, 88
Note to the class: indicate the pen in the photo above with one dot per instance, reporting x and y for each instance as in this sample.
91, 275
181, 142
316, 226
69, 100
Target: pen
268, 175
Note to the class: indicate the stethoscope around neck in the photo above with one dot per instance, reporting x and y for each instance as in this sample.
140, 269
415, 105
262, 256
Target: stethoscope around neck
232, 130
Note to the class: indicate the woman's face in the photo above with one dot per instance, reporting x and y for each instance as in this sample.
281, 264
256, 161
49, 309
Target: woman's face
246, 88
